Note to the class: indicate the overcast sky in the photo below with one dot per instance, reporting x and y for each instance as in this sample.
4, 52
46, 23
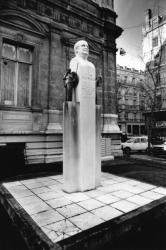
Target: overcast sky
131, 13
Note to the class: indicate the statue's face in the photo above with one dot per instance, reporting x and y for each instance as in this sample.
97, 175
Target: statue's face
83, 48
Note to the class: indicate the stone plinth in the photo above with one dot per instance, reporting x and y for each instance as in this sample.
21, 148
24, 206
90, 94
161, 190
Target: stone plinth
111, 136
50, 219
81, 149
71, 151
54, 121
111, 124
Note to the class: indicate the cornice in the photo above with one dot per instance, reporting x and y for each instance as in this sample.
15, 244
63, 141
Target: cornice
11, 16
67, 16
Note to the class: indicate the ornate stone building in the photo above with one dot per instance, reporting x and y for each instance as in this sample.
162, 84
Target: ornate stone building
130, 101
36, 45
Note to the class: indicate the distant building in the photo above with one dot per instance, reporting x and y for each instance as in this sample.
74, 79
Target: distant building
36, 45
154, 56
154, 50
130, 98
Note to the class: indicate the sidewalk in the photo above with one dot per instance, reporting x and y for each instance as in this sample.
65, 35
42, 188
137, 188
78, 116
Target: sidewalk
54, 216
148, 158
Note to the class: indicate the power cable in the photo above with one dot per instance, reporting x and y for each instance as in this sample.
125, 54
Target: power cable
159, 7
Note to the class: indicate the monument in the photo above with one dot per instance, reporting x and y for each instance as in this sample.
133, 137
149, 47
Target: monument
81, 126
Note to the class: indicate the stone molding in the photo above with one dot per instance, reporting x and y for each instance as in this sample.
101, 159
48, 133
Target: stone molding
110, 124
11, 16
79, 15
54, 121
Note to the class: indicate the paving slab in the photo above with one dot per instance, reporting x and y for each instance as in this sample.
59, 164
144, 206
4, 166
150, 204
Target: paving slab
139, 200
58, 219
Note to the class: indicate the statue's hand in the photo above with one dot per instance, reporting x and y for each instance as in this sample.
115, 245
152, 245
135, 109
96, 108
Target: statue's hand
75, 79
66, 74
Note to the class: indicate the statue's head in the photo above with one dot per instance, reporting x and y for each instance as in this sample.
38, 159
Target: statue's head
81, 48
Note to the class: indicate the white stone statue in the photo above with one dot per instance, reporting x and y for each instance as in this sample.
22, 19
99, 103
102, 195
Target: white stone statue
81, 137
81, 49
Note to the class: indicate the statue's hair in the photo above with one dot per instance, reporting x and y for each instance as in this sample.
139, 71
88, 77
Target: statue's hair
77, 44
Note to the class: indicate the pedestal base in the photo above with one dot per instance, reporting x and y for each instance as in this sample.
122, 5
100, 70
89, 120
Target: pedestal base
81, 149
111, 136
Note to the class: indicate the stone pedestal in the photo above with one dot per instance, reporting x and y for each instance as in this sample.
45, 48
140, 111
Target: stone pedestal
111, 123
81, 149
54, 121
111, 136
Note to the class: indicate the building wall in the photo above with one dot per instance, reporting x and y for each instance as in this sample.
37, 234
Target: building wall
130, 101
49, 30
154, 49
154, 29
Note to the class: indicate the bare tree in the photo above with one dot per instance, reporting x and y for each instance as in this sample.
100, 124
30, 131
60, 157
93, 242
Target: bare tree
152, 88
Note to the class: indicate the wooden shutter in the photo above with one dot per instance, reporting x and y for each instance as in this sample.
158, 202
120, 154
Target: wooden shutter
23, 84
8, 82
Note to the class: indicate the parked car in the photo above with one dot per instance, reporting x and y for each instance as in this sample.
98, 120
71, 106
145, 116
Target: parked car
158, 146
135, 144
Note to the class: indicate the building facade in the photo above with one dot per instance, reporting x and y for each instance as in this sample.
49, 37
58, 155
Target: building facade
154, 56
36, 45
130, 98
154, 50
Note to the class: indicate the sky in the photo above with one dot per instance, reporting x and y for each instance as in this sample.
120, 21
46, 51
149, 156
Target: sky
131, 16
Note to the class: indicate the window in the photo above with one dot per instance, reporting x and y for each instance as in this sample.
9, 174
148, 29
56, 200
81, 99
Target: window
133, 80
137, 140
16, 68
131, 140
155, 41
129, 129
130, 116
125, 78
144, 140
143, 131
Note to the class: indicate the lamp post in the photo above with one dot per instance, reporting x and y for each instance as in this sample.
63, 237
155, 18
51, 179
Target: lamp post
122, 52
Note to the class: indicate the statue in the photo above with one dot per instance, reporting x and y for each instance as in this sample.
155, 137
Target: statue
81, 49
81, 124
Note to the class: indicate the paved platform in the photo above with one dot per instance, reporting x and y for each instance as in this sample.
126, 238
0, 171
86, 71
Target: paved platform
58, 218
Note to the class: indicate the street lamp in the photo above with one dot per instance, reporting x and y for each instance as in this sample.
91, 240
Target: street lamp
122, 52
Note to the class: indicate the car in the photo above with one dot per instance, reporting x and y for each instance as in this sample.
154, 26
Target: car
158, 146
135, 144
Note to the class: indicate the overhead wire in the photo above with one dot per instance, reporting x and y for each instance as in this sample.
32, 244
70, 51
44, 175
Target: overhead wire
133, 27
155, 5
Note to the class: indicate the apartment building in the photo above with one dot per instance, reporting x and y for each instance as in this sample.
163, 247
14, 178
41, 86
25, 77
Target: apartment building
154, 56
130, 99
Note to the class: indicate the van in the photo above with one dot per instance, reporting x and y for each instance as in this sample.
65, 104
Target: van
134, 144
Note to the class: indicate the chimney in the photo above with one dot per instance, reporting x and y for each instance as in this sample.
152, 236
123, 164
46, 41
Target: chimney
148, 17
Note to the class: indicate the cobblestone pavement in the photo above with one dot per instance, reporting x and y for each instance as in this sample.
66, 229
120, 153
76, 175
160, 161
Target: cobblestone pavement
60, 215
